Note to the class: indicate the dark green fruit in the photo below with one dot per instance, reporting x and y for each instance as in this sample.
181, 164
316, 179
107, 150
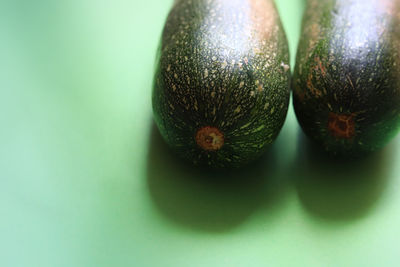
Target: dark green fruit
221, 88
347, 74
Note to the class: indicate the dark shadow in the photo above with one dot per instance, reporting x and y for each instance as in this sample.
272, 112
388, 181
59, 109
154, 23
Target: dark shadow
208, 200
339, 189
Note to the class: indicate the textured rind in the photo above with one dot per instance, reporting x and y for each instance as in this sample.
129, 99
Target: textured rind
348, 64
223, 64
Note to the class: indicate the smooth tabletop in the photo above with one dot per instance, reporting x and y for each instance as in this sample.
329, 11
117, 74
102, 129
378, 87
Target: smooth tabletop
86, 180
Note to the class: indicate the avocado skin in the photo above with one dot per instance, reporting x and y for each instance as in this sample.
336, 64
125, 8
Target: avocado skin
222, 64
346, 82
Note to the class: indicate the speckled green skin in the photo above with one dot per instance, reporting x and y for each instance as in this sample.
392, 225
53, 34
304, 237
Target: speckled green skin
348, 64
222, 64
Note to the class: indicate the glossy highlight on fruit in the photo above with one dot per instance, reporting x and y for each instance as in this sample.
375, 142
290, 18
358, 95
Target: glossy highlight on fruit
346, 83
221, 88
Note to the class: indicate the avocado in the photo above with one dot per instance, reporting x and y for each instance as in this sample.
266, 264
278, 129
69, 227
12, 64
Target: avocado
346, 82
221, 89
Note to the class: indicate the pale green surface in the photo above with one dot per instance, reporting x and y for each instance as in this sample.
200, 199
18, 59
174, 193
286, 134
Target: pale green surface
86, 181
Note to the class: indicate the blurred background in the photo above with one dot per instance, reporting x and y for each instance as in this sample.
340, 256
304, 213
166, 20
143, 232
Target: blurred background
85, 179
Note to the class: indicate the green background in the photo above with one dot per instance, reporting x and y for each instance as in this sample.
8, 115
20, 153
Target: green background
85, 179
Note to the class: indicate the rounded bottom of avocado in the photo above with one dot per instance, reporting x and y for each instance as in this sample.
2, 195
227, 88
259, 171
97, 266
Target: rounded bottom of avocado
340, 134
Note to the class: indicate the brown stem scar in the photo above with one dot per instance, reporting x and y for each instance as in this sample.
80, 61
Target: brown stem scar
209, 138
341, 125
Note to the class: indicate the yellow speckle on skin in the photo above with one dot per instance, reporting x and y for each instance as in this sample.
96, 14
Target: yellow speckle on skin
224, 64
237, 110
241, 84
169, 67
272, 110
252, 93
174, 87
176, 76
285, 66
258, 129
205, 73
212, 94
246, 125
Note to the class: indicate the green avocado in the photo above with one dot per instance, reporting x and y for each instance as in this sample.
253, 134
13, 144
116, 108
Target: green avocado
221, 88
346, 82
